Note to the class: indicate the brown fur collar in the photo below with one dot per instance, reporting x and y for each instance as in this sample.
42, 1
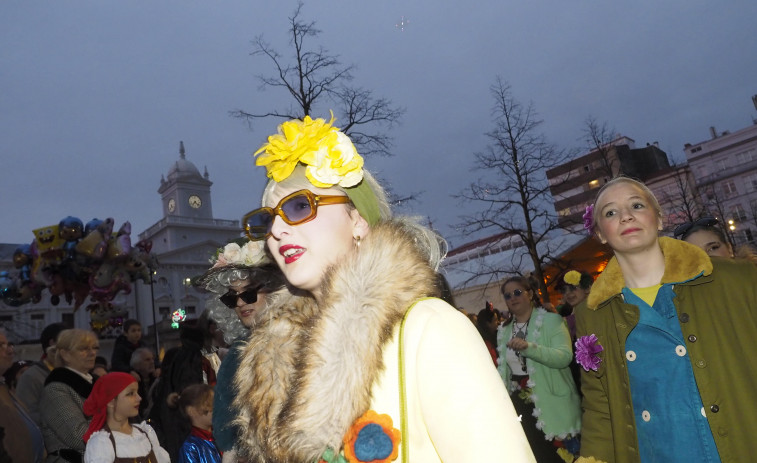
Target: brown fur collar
683, 261
307, 371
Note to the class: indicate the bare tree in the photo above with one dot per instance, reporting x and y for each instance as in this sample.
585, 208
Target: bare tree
715, 206
513, 188
684, 203
599, 137
317, 81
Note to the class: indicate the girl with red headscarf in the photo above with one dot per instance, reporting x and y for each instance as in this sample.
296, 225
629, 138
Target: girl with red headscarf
111, 438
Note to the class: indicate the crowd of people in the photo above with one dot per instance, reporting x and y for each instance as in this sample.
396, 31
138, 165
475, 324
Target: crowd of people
328, 338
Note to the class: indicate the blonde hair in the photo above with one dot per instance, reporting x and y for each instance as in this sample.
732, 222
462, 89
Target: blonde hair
71, 340
430, 243
622, 179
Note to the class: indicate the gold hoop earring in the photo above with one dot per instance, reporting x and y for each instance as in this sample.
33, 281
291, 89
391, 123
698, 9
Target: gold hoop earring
357, 240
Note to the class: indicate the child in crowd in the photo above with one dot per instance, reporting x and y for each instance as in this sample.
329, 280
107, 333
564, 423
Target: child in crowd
196, 404
110, 436
125, 345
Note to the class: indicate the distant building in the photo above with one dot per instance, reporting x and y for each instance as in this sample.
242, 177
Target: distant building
725, 169
573, 184
183, 241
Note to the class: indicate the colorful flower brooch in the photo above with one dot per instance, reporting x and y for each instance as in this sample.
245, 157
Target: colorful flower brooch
589, 219
587, 352
372, 438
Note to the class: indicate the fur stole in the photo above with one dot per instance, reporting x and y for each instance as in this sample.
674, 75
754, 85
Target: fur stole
307, 370
71, 379
683, 261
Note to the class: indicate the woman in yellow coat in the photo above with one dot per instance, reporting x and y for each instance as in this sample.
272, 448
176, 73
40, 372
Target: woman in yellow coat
359, 362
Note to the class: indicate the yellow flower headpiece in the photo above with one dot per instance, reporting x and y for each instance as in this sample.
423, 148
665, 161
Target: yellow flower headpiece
328, 154
572, 278
329, 158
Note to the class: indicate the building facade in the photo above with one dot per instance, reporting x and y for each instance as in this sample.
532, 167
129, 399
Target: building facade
573, 184
725, 169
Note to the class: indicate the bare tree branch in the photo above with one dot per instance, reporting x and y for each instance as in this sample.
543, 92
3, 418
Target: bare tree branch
513, 188
316, 80
599, 138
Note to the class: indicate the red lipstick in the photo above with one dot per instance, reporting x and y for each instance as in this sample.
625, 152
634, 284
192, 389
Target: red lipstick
291, 252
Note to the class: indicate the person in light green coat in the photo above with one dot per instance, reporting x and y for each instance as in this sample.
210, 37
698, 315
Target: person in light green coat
534, 358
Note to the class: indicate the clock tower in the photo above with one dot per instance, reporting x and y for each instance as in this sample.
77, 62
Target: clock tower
187, 213
186, 193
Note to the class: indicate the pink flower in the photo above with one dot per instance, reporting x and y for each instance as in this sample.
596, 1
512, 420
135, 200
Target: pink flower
589, 219
587, 350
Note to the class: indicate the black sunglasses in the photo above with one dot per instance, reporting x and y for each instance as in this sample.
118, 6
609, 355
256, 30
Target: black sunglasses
248, 296
296, 208
515, 293
682, 230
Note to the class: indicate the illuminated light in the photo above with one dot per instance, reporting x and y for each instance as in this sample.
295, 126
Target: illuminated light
402, 24
177, 317
594, 184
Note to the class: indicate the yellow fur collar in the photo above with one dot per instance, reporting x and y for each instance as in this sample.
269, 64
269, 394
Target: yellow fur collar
683, 261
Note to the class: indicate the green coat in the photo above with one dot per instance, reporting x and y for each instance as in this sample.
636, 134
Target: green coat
718, 316
547, 358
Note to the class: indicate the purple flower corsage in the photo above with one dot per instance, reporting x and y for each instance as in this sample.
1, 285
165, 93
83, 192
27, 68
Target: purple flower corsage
589, 219
587, 350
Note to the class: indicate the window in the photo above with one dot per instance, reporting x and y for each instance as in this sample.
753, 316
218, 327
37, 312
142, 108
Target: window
67, 319
164, 311
722, 165
36, 324
565, 212
738, 212
6, 318
744, 157
729, 188
751, 183
748, 235
190, 309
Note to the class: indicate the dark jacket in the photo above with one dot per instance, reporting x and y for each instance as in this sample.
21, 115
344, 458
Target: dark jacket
122, 350
225, 431
717, 311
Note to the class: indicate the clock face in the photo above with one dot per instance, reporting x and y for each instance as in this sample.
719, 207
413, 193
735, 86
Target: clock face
195, 201
171, 205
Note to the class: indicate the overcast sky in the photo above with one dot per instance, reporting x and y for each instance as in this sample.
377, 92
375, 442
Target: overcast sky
96, 95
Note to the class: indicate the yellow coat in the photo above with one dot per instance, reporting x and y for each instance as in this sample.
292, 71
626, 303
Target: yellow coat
447, 363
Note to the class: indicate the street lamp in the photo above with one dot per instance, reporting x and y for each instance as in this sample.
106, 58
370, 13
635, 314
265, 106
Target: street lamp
152, 300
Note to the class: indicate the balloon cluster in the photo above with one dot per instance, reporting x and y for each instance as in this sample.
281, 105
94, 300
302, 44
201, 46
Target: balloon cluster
77, 261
